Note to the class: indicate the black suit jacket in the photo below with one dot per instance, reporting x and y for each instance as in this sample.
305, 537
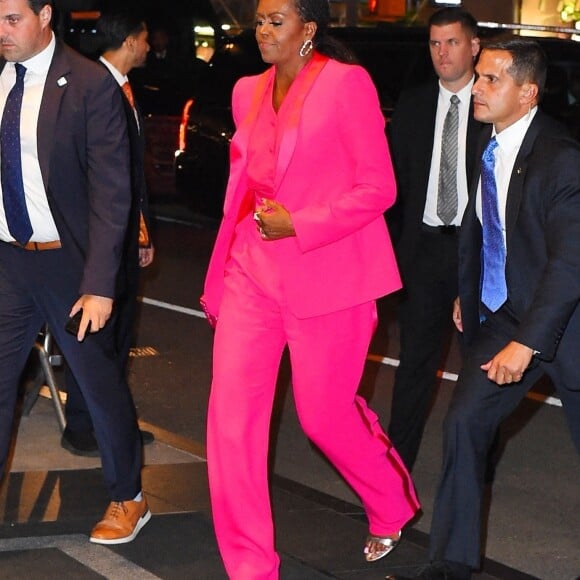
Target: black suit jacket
411, 133
83, 151
543, 237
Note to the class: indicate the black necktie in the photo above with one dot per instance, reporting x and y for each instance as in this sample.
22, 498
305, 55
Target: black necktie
13, 198
493, 287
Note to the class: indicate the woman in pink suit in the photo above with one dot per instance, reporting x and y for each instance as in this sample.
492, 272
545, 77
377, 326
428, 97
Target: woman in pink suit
301, 256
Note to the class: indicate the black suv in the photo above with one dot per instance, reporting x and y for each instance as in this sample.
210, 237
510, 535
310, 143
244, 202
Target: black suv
395, 56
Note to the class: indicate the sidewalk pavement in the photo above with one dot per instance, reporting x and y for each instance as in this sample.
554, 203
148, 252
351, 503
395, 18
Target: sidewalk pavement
51, 499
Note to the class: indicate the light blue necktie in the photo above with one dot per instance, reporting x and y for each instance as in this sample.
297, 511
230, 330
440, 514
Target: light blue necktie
493, 287
13, 198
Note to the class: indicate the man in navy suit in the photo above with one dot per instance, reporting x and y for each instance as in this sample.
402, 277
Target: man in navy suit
519, 290
75, 196
124, 36
426, 242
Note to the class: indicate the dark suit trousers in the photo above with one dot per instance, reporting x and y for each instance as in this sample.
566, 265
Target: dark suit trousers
477, 408
39, 287
77, 413
429, 289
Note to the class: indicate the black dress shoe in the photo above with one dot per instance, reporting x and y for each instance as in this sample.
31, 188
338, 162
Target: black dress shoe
146, 437
80, 443
439, 571
83, 443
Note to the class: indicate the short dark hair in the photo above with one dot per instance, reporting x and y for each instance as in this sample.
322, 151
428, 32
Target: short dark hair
37, 5
529, 61
452, 15
115, 25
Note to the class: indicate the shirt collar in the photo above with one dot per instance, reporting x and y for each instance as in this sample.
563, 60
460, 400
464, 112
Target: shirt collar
40, 63
118, 76
464, 95
511, 137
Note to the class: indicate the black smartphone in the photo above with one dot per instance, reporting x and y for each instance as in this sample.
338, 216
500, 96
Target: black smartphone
74, 322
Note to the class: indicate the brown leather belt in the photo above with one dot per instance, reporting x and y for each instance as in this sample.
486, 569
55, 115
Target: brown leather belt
39, 246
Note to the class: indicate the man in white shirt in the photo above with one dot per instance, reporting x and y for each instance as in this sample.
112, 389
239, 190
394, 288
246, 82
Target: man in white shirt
519, 289
425, 238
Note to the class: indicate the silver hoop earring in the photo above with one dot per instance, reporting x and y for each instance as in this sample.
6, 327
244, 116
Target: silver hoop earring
306, 47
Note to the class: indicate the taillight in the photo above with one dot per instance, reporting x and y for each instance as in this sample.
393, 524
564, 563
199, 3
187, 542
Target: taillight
183, 125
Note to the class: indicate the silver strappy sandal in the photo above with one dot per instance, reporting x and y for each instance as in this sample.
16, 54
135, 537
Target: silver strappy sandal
388, 546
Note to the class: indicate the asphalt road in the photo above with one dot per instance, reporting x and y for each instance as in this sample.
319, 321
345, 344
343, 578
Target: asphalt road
534, 505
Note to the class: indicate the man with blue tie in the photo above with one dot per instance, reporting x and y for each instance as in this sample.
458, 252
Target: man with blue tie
65, 190
519, 289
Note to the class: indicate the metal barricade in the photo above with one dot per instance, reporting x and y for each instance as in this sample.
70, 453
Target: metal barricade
48, 358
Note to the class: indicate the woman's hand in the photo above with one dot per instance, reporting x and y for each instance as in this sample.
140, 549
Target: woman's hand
273, 221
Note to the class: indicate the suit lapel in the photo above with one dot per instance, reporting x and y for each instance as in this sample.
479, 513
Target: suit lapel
291, 118
470, 219
517, 179
471, 160
56, 84
425, 117
239, 146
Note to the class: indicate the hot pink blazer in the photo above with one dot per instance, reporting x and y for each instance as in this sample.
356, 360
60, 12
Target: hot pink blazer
334, 175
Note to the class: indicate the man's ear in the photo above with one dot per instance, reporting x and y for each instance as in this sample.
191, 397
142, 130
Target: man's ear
475, 46
529, 93
45, 14
129, 42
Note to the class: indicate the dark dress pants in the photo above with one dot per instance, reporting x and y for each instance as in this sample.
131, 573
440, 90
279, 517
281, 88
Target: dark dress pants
430, 287
39, 287
78, 418
477, 408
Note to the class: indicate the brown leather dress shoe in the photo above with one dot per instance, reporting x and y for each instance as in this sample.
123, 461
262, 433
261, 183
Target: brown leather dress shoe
121, 523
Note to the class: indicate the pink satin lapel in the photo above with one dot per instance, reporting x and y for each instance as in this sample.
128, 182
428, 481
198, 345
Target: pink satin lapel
238, 150
291, 119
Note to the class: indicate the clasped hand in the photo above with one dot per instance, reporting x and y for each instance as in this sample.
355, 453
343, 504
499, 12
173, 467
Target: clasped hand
273, 220
509, 364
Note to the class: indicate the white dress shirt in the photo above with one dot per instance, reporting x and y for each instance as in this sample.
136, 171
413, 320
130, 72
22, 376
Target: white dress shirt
509, 142
121, 80
430, 216
43, 226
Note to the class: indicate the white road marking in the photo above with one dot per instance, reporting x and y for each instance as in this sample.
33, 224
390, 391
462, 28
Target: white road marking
392, 362
97, 558
173, 307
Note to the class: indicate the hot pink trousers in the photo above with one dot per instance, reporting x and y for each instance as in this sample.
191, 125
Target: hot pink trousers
327, 355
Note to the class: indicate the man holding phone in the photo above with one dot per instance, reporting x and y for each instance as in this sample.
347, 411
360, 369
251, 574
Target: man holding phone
66, 195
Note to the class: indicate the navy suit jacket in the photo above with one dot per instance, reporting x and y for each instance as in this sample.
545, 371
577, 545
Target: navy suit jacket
543, 237
83, 151
411, 133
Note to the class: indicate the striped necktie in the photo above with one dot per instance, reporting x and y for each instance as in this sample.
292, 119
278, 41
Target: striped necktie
447, 194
